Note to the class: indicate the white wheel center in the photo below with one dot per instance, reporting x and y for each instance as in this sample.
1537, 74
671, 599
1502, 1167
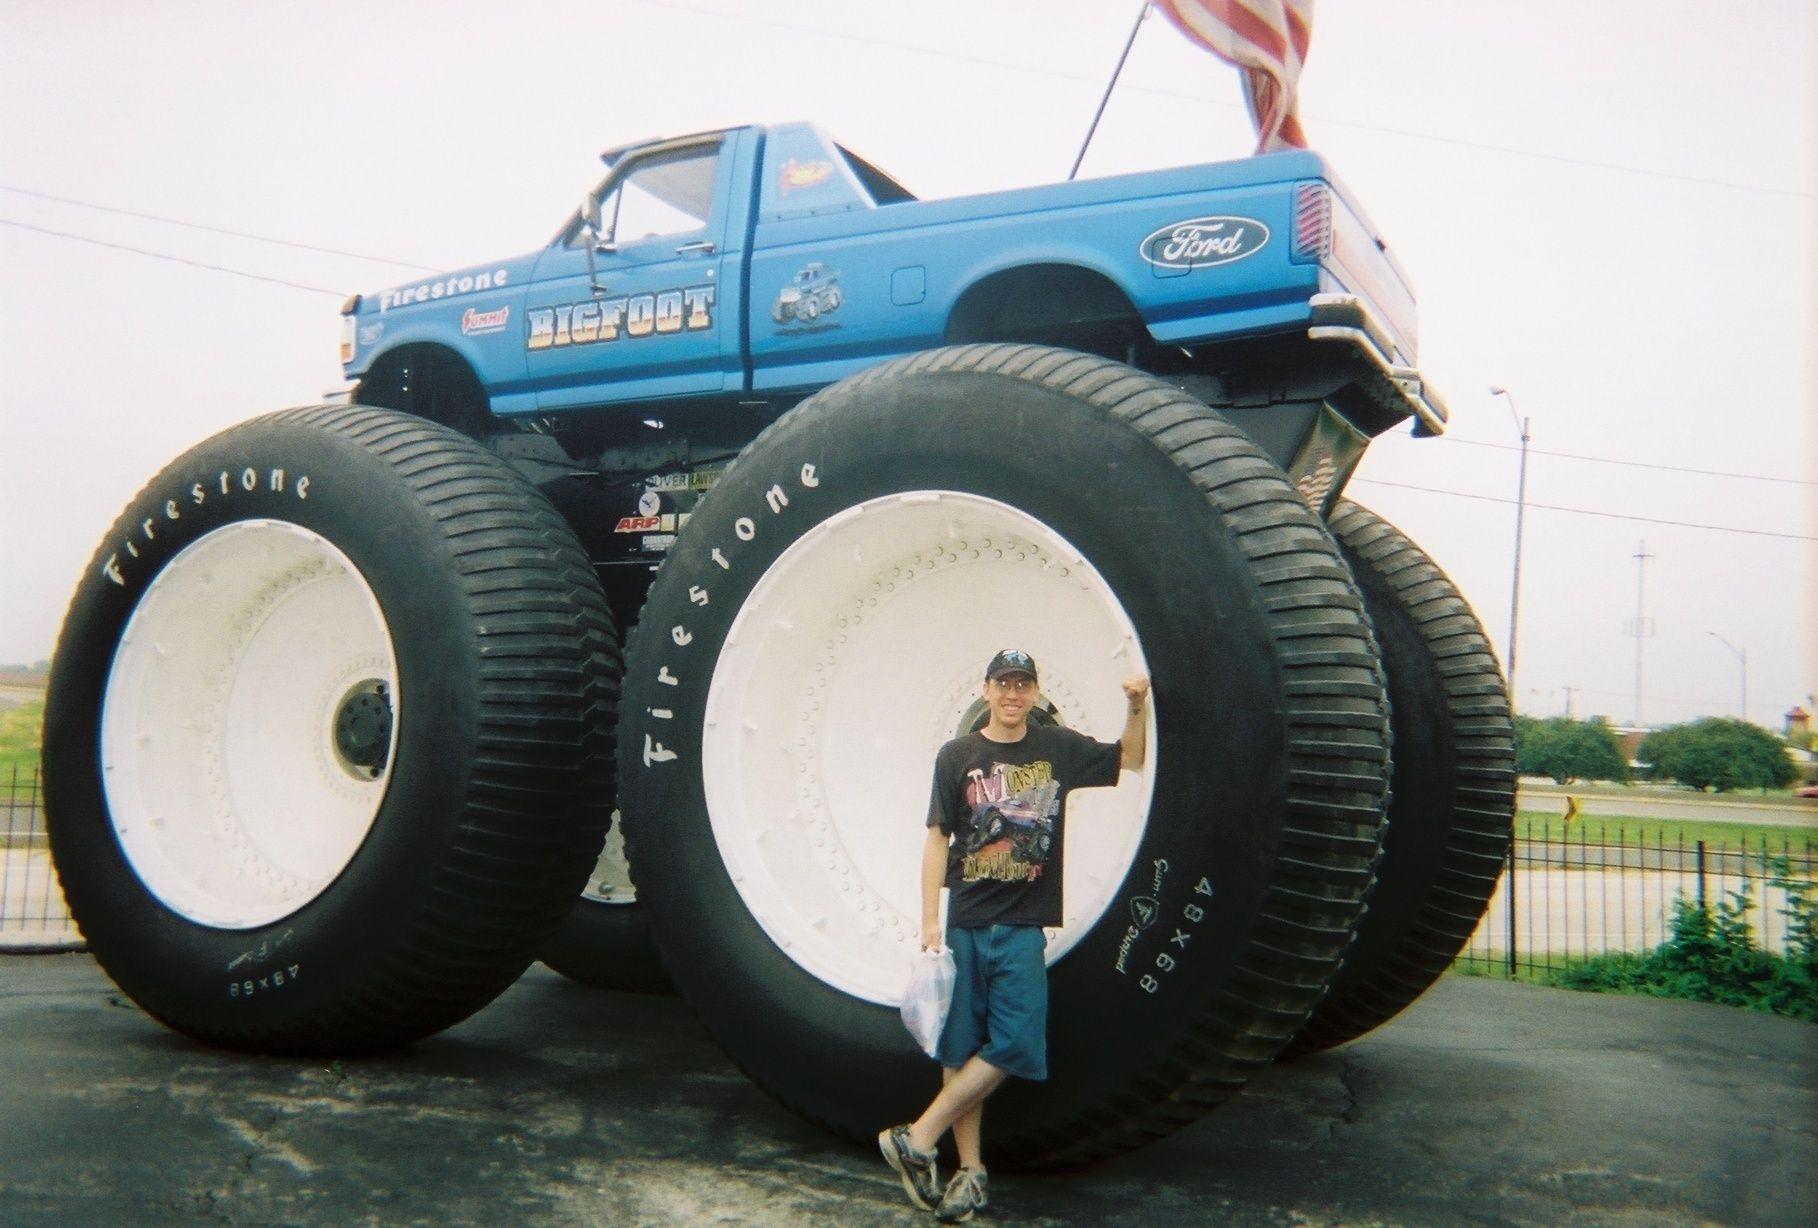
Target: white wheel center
857, 655
249, 724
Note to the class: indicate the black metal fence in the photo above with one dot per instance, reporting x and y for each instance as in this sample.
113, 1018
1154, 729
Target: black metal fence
32, 913
1590, 890
1595, 889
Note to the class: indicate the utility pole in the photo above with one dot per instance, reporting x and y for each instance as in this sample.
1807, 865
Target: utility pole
1742, 658
1521, 509
1109, 86
1641, 629
1569, 692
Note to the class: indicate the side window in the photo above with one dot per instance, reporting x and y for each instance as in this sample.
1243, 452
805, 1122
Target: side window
662, 195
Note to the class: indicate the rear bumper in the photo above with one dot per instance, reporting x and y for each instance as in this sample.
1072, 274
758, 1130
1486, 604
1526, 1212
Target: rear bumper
1347, 320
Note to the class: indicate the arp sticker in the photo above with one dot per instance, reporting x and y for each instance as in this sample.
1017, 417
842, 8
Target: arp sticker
667, 522
1202, 242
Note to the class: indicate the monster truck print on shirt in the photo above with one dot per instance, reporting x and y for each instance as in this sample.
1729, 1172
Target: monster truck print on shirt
1012, 828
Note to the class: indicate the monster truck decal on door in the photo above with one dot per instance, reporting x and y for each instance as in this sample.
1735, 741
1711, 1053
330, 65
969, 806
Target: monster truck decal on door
811, 294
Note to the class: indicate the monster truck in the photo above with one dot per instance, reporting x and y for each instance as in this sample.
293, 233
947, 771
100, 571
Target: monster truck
336, 724
810, 293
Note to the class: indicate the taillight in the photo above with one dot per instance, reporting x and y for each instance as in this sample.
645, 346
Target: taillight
1312, 223
347, 328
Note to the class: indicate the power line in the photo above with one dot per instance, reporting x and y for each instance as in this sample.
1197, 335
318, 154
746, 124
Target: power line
1063, 75
219, 230
868, 41
1585, 511
879, 42
1611, 460
199, 264
1566, 159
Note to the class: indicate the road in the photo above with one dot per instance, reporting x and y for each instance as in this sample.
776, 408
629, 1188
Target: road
1648, 802
1577, 912
14, 696
1485, 1103
32, 913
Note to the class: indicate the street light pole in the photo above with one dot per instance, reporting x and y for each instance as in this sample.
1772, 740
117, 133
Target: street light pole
1521, 509
1742, 658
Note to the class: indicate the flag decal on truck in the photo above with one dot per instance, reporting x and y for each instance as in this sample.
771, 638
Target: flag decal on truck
1199, 242
637, 315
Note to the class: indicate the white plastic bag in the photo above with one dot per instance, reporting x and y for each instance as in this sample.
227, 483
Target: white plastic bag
927, 997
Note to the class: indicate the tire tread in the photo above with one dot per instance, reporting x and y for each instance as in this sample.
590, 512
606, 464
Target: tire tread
1336, 792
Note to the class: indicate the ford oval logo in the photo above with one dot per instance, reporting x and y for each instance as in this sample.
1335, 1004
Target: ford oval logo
1202, 241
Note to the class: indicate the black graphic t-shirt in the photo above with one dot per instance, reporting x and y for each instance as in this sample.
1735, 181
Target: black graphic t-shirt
1005, 806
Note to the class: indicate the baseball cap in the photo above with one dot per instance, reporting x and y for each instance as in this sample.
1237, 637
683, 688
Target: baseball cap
1010, 661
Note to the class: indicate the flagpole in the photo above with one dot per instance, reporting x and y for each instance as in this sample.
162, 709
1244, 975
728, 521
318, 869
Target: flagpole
1100, 113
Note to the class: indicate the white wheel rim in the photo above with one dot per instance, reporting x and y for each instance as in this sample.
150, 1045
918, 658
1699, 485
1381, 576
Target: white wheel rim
229, 793
853, 660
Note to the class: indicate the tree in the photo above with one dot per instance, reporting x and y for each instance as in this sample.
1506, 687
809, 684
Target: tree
1718, 753
1568, 750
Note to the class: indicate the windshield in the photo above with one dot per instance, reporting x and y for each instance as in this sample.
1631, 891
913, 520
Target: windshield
657, 195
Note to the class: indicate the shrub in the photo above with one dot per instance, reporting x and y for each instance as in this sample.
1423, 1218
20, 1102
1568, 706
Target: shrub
1712, 957
1568, 750
1718, 753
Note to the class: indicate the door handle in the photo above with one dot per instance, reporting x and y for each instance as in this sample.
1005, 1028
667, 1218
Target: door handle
699, 245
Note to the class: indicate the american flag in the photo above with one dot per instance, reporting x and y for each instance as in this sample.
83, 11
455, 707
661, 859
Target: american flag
1267, 40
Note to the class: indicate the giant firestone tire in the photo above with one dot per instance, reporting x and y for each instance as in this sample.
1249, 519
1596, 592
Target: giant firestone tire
1453, 783
605, 940
821, 628
328, 743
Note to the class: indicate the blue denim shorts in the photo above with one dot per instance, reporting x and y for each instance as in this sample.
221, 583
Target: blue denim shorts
1000, 1000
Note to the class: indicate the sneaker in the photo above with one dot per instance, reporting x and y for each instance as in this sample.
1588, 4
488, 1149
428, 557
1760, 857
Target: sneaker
965, 1194
916, 1168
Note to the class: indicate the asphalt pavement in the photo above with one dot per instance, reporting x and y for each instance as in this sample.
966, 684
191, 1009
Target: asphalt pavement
1485, 1103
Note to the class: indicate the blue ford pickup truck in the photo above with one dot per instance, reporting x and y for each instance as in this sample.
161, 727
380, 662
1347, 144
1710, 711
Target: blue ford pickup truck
711, 511
752, 266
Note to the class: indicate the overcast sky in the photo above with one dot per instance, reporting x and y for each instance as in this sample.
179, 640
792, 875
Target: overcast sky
1610, 209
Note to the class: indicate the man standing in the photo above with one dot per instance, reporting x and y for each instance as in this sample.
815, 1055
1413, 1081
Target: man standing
996, 834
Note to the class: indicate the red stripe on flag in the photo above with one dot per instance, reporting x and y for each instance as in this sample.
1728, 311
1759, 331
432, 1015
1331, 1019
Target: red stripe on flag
1300, 30
1268, 41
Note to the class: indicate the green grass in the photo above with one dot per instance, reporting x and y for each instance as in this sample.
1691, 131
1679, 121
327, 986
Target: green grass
1609, 790
1495, 964
19, 730
1769, 984
1540, 824
1532, 968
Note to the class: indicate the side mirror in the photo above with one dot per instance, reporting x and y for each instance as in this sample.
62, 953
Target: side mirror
590, 225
